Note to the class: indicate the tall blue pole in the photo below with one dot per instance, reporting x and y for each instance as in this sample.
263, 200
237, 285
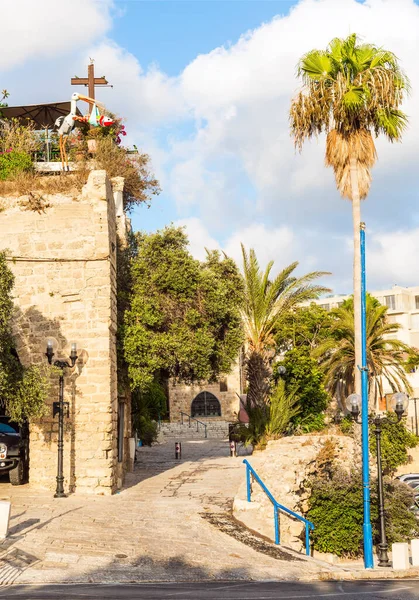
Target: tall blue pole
367, 530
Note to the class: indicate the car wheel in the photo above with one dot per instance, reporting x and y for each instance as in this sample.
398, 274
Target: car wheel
17, 475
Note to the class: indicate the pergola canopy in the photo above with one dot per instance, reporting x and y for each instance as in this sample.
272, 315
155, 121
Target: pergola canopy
43, 115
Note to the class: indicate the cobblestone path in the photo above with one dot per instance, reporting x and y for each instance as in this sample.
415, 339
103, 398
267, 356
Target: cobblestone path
160, 527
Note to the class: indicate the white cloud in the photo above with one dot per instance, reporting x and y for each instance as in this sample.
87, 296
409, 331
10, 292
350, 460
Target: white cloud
199, 238
241, 95
228, 158
38, 30
393, 258
280, 243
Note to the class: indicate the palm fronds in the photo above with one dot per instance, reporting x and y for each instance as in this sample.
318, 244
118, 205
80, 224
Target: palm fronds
353, 91
266, 300
386, 355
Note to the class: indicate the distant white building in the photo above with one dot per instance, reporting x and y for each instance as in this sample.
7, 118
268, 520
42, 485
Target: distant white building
403, 308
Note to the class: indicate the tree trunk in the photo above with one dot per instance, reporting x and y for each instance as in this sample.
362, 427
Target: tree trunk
356, 216
258, 375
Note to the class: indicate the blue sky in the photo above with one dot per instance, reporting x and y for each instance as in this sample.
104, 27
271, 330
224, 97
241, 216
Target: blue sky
205, 89
172, 33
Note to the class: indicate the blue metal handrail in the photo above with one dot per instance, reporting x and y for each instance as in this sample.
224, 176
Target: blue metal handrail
250, 472
198, 423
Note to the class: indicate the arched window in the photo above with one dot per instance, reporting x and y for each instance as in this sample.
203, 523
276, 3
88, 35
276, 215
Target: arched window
205, 404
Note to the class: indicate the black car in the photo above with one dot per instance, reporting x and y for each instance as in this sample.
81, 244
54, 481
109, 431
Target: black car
14, 450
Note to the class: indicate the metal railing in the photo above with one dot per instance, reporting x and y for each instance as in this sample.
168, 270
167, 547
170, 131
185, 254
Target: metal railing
191, 418
309, 526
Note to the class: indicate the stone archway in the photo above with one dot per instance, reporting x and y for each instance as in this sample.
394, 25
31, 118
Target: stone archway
205, 404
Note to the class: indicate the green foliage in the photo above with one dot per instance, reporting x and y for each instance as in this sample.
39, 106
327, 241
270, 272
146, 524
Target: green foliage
305, 376
346, 425
266, 301
29, 395
311, 422
298, 333
12, 163
283, 407
23, 391
386, 356
350, 86
270, 421
395, 441
336, 509
146, 408
183, 320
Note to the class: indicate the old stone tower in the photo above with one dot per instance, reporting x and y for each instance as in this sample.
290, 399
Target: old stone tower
64, 262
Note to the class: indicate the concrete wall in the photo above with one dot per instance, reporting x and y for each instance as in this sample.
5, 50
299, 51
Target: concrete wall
64, 262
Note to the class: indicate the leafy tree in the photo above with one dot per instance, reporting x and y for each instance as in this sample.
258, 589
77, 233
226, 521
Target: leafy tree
299, 332
266, 302
385, 356
352, 92
184, 319
23, 390
395, 441
146, 408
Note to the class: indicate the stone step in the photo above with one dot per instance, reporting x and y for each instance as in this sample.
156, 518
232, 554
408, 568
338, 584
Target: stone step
215, 430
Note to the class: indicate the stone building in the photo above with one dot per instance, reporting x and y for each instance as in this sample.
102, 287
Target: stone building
64, 262
209, 402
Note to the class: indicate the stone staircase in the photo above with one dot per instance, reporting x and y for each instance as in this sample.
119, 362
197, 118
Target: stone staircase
215, 430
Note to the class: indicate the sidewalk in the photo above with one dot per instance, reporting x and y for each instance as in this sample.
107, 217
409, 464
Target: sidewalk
170, 523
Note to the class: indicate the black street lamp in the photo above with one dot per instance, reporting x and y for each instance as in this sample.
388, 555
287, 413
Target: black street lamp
399, 404
59, 407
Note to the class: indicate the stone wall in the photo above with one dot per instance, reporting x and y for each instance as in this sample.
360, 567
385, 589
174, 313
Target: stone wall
284, 467
64, 262
225, 390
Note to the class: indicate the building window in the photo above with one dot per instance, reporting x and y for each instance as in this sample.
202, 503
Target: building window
414, 321
223, 384
121, 426
205, 404
417, 302
325, 306
390, 302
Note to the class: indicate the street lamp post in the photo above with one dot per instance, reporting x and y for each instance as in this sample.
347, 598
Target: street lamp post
59, 407
399, 403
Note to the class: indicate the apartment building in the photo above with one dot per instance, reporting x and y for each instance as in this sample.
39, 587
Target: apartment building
403, 308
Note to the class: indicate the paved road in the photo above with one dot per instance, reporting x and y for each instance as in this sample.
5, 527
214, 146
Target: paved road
371, 590
169, 523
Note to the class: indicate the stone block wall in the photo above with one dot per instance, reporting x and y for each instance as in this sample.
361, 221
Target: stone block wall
64, 262
182, 395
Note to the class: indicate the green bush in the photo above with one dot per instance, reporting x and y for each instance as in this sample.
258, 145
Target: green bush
395, 441
336, 509
311, 422
12, 163
269, 421
147, 430
347, 425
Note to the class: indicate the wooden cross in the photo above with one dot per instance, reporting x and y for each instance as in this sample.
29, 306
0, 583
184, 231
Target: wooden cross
91, 81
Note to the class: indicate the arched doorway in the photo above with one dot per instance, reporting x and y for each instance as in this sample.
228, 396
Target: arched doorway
205, 404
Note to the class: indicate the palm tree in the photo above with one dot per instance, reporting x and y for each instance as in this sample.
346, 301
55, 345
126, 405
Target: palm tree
265, 303
386, 356
352, 92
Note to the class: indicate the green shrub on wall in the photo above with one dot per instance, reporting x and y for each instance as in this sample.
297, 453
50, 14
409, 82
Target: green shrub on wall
336, 509
395, 442
12, 163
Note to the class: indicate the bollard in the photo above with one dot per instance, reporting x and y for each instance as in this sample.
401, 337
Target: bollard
178, 450
233, 448
4, 518
414, 545
400, 552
